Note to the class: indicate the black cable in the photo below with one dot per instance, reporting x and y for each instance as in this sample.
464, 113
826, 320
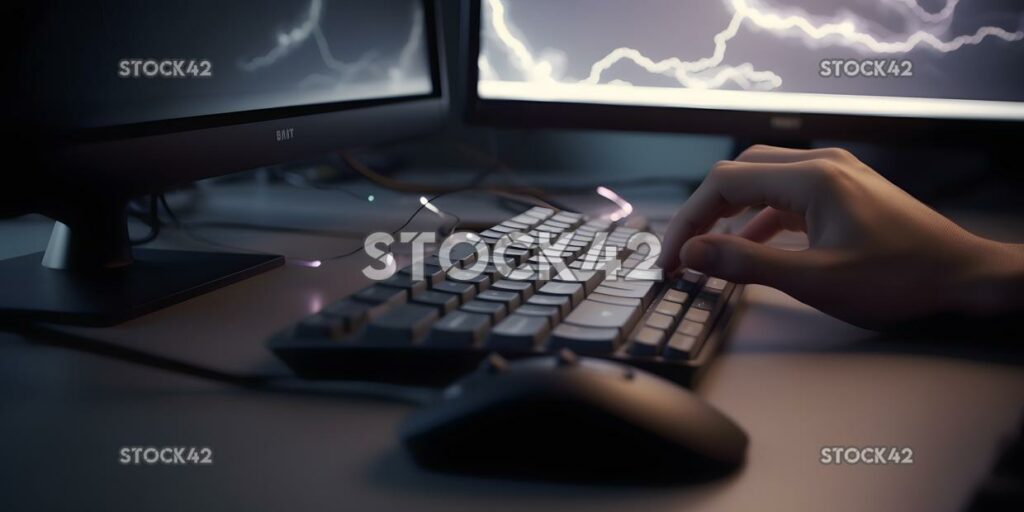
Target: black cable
153, 221
186, 228
44, 335
406, 223
277, 383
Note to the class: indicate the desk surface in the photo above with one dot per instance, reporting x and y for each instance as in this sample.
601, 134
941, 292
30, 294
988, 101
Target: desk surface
794, 378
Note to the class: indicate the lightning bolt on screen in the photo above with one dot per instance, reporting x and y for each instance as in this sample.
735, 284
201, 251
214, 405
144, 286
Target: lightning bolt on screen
918, 58
112, 62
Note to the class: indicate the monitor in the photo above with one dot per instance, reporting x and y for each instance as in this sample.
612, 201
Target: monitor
765, 68
114, 99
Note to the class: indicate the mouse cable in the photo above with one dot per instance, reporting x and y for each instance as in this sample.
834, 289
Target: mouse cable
44, 335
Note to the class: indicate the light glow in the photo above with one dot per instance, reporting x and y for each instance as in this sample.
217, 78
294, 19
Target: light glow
307, 263
625, 208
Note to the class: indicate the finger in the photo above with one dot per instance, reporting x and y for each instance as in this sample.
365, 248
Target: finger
773, 154
740, 260
733, 186
770, 222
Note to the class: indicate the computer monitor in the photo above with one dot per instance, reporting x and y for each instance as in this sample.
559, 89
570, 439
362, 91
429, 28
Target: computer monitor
926, 70
112, 100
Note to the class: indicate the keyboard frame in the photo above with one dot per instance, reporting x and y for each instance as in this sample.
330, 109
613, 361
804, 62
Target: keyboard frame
328, 359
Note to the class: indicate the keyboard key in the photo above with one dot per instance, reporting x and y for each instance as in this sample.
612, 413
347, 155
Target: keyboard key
689, 281
405, 281
690, 328
381, 295
503, 229
539, 212
509, 299
588, 278
681, 346
349, 313
611, 299
705, 301
698, 315
516, 226
557, 224
585, 340
480, 281
715, 284
644, 293
495, 310
569, 218
433, 274
676, 296
659, 321
549, 312
444, 302
459, 329
320, 326
526, 273
597, 314
562, 302
647, 342
402, 325
519, 333
464, 291
523, 288
491, 234
572, 290
669, 308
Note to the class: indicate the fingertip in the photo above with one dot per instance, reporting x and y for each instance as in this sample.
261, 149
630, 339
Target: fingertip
699, 254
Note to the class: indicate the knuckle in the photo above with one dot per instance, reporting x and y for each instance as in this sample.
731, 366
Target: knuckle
826, 172
719, 169
838, 153
754, 150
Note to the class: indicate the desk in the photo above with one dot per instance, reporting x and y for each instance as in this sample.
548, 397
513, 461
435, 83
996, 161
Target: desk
794, 378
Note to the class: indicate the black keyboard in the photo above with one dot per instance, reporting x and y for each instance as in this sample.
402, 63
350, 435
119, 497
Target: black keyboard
596, 302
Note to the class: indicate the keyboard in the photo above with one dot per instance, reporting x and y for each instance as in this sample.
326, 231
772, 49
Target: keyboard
576, 283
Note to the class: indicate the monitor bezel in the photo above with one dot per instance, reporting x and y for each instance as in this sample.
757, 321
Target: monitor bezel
755, 125
183, 124
119, 162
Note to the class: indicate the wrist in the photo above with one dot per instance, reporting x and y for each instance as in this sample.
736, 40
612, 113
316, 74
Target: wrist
992, 283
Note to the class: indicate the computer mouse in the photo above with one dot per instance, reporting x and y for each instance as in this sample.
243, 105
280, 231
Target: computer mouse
576, 418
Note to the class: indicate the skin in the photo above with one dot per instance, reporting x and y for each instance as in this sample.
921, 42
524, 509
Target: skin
877, 257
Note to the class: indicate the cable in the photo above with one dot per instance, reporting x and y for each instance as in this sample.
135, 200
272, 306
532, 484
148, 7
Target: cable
406, 223
422, 188
276, 383
186, 228
153, 221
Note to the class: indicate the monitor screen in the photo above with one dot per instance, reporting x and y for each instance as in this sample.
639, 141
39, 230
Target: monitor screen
905, 58
101, 63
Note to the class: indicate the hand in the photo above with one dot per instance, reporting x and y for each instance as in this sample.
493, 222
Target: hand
877, 256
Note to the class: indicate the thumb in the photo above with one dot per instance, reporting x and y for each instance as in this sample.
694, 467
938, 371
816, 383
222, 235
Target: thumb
739, 260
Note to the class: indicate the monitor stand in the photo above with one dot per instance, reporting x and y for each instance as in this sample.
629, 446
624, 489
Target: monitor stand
90, 275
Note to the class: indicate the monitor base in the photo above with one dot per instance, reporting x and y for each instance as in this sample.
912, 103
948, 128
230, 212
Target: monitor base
102, 297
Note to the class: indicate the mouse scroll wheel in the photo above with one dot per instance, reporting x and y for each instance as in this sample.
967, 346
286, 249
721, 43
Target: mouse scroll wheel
567, 357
